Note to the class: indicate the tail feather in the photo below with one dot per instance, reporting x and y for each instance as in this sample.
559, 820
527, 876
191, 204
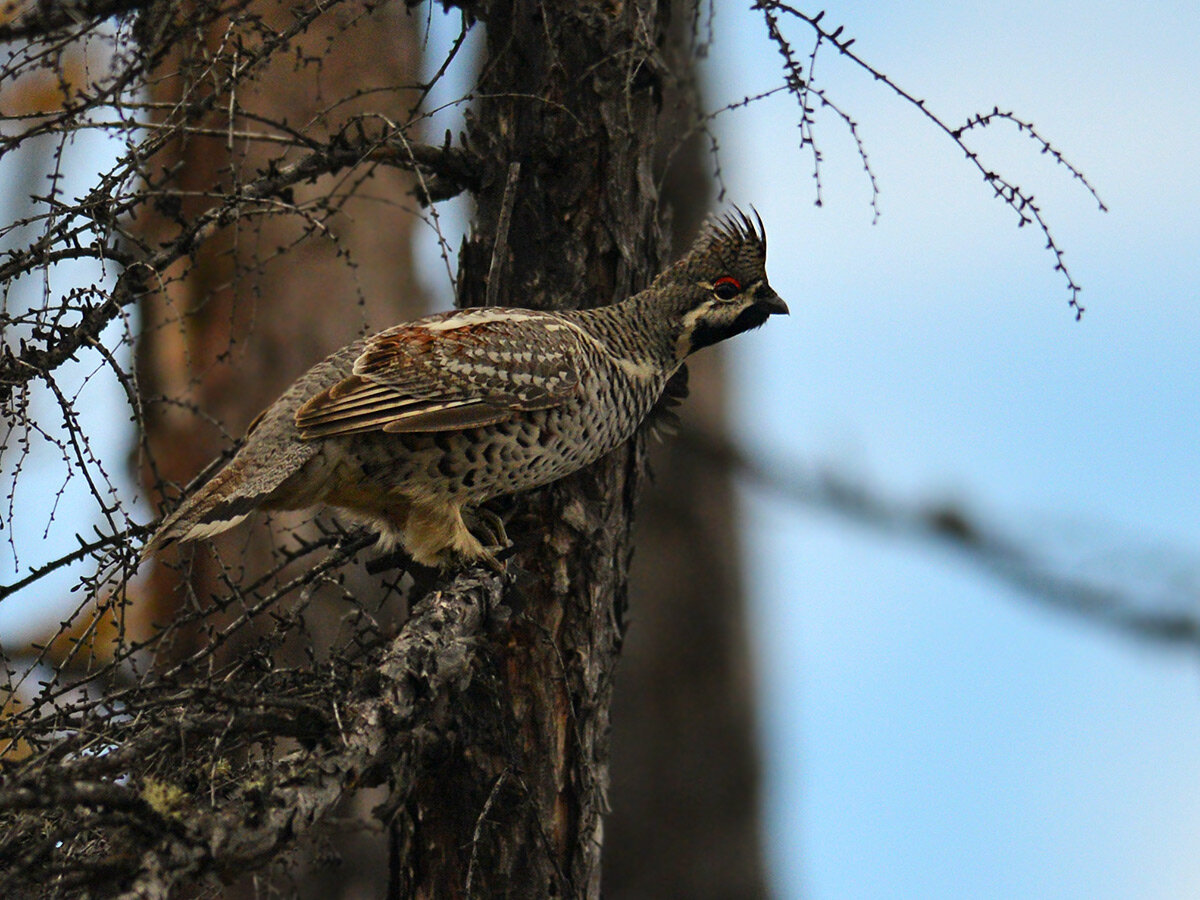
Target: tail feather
218, 506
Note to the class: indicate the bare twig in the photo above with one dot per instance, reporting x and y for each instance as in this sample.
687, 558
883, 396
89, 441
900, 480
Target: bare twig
1022, 202
976, 540
500, 247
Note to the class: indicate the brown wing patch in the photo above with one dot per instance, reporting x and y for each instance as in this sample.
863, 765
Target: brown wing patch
400, 417
356, 405
449, 372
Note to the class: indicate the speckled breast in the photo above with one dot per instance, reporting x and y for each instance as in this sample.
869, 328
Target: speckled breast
531, 449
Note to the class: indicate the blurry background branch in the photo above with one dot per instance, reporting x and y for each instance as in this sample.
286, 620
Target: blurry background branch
1024, 563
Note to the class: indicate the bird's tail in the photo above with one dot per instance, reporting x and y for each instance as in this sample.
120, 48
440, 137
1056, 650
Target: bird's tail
217, 506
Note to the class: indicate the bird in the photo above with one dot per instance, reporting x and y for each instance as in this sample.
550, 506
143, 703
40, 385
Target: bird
413, 428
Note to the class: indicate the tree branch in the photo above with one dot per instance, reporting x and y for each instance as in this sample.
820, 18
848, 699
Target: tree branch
237, 826
352, 146
1015, 197
977, 541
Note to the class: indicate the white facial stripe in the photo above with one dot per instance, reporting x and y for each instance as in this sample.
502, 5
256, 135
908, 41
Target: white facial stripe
690, 318
693, 315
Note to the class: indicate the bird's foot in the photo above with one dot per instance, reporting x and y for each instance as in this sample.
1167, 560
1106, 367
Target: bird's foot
491, 527
488, 529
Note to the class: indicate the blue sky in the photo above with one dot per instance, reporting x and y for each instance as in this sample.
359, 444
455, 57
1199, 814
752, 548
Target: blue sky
929, 732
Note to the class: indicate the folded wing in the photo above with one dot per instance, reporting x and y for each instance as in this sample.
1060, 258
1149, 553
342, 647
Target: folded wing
457, 370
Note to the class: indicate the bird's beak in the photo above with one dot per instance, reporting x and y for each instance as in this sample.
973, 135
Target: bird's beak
770, 302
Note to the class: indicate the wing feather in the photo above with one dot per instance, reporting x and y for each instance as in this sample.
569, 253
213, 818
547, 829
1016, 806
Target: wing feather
448, 417
464, 369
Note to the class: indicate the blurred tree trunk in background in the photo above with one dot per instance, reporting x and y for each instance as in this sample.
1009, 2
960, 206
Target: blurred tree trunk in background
686, 818
255, 308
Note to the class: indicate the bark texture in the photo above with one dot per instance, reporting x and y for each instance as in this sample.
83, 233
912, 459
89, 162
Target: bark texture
566, 128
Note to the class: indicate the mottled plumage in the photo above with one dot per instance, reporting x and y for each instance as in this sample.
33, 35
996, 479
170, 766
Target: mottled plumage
412, 427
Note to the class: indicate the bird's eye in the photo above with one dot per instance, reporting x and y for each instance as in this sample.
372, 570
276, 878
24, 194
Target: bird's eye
727, 288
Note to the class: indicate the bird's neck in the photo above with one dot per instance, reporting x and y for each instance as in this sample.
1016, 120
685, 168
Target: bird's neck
643, 329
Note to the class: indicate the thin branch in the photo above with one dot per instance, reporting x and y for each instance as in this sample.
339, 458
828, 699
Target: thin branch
500, 245
977, 541
86, 549
351, 147
1013, 196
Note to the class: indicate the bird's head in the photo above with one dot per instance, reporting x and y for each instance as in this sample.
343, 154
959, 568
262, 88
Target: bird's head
724, 283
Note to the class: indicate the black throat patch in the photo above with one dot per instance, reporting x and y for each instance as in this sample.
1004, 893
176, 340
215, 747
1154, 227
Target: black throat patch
705, 334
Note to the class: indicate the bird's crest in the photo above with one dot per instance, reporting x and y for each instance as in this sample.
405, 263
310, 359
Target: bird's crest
731, 233
727, 244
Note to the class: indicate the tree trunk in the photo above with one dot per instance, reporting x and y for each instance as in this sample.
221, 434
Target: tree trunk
567, 129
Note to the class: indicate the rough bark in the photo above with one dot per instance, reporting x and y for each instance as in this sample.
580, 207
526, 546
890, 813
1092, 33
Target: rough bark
566, 125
